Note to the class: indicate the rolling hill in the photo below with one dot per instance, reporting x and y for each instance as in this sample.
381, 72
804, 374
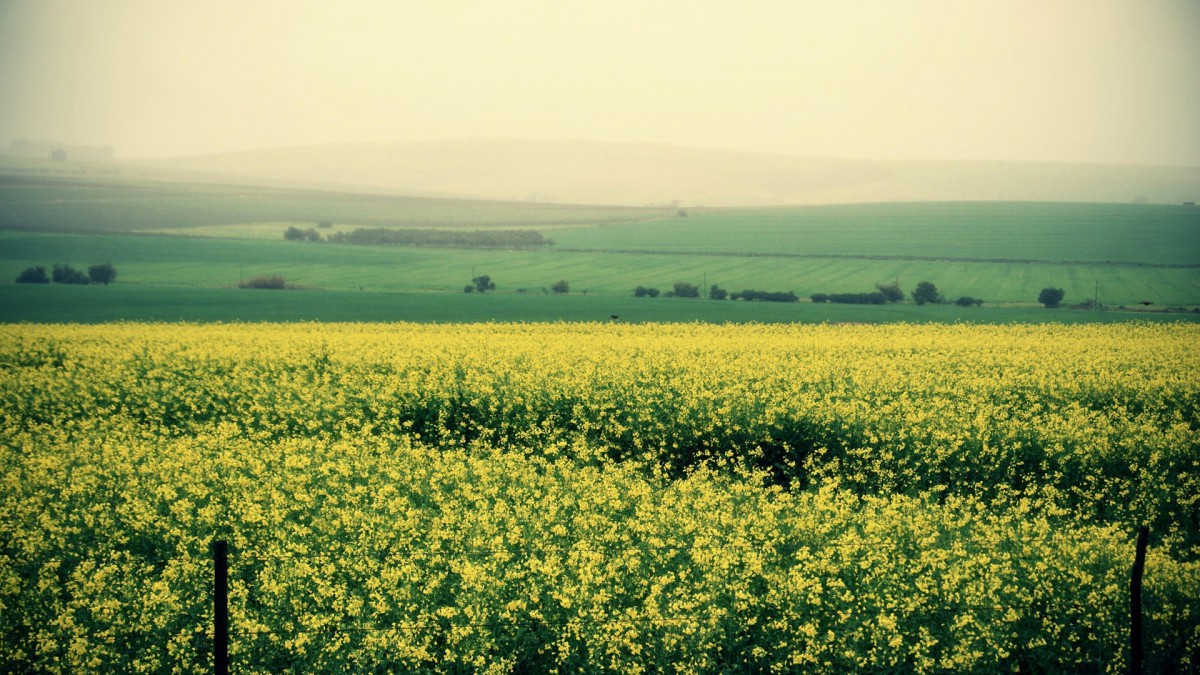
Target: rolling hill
641, 174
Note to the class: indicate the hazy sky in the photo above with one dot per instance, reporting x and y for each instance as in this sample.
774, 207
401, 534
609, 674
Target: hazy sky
1062, 80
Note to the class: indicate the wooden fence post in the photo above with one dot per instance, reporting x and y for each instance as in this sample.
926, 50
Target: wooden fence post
1136, 653
220, 607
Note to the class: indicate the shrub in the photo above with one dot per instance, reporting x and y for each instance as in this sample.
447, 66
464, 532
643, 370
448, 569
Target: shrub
717, 293
820, 297
102, 274
297, 234
483, 283
685, 290
874, 298
561, 287
33, 275
643, 292
1051, 297
445, 238
766, 296
65, 274
265, 282
891, 291
967, 301
926, 292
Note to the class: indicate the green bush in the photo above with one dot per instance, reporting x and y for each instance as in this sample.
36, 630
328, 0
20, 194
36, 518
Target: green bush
65, 274
102, 274
264, 282
1051, 297
33, 275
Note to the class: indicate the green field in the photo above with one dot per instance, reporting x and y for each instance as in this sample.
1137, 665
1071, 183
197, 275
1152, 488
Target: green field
1025, 231
176, 240
104, 203
95, 304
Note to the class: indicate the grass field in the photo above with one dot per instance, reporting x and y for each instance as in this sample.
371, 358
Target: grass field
146, 261
1004, 253
93, 304
112, 204
1048, 232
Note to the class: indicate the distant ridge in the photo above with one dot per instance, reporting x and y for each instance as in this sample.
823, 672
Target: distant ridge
638, 174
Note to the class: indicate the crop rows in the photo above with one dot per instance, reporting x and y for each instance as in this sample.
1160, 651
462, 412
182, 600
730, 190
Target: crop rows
666, 498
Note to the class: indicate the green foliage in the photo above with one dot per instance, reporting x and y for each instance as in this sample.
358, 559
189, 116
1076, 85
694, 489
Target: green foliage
968, 301
296, 234
65, 274
1051, 297
561, 287
875, 298
717, 293
483, 283
104, 273
270, 282
644, 292
891, 291
683, 289
33, 275
506, 239
765, 296
926, 292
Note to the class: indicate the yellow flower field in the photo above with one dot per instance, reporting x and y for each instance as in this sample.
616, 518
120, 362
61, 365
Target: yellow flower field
598, 497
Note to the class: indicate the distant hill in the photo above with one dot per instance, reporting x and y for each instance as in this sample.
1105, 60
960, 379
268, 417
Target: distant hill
640, 174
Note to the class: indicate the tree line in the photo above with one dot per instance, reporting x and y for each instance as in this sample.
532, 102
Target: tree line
925, 292
104, 274
683, 289
439, 238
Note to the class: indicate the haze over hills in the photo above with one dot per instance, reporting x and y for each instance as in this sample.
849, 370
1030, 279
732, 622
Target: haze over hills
573, 171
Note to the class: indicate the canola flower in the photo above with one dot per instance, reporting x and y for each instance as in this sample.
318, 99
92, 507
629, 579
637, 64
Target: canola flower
597, 497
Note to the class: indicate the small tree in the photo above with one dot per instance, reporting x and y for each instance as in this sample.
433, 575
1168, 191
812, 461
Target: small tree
102, 274
293, 234
643, 292
967, 301
926, 292
1051, 297
717, 293
33, 275
891, 291
65, 274
270, 282
685, 290
561, 287
483, 283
